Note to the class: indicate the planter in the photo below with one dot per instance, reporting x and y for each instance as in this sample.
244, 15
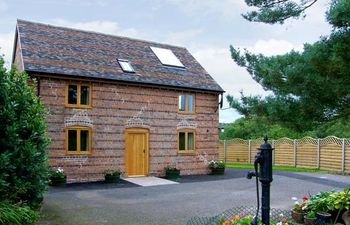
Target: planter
309, 221
297, 216
323, 218
58, 181
172, 174
217, 171
112, 178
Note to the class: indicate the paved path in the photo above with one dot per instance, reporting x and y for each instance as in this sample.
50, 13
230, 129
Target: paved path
127, 203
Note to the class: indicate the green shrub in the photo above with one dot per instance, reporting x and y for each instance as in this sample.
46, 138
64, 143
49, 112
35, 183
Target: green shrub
23, 167
17, 215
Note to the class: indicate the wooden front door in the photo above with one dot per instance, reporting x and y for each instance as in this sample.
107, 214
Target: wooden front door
136, 151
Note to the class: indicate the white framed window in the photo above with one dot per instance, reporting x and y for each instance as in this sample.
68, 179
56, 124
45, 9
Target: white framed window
126, 65
167, 57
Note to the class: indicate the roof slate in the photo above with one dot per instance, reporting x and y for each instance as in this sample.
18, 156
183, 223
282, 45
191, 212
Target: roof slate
71, 52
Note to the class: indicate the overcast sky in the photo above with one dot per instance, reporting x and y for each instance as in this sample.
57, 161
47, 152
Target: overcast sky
205, 27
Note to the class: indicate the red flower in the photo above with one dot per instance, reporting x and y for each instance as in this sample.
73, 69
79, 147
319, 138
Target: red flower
305, 198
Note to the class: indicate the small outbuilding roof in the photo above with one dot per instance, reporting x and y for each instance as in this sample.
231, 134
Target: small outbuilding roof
70, 52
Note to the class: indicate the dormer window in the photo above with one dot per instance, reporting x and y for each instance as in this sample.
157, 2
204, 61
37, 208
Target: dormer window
167, 57
126, 66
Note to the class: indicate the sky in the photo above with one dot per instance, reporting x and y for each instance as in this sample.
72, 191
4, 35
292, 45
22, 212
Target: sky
206, 28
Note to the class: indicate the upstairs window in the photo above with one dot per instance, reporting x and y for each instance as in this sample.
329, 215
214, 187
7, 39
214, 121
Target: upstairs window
186, 103
78, 140
126, 66
167, 57
78, 95
186, 141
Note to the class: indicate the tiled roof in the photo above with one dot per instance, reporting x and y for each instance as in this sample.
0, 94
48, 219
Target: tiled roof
70, 52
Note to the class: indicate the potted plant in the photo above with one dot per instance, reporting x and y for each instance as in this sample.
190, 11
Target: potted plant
310, 218
171, 172
298, 212
217, 167
112, 176
57, 177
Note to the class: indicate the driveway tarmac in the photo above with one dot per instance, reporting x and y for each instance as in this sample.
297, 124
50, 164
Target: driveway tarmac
195, 196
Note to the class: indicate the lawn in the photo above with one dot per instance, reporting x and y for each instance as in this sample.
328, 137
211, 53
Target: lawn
288, 168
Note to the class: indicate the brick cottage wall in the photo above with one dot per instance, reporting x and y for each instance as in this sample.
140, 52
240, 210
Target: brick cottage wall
117, 106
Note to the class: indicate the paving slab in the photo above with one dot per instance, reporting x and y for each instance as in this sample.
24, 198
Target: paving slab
149, 181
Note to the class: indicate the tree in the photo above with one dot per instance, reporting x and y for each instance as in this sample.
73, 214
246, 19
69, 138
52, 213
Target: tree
276, 11
23, 167
310, 87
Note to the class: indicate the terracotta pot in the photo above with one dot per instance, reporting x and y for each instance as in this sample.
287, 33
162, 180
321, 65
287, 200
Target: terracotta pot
309, 221
297, 216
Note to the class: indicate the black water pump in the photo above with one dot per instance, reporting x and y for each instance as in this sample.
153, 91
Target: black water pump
263, 172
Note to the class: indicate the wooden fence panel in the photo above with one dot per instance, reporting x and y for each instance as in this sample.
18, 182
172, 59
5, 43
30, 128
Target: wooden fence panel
347, 156
330, 157
284, 154
237, 151
306, 152
221, 150
307, 155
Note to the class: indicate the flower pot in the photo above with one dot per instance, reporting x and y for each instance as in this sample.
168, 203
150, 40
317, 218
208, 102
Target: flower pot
112, 178
322, 218
217, 171
309, 221
298, 217
172, 174
58, 181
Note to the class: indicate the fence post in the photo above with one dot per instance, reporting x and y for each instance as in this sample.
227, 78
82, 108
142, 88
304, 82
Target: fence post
343, 156
225, 151
249, 151
318, 153
295, 153
273, 155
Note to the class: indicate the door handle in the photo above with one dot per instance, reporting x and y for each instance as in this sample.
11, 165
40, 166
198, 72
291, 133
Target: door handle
144, 151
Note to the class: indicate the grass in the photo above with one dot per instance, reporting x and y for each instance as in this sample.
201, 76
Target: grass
288, 168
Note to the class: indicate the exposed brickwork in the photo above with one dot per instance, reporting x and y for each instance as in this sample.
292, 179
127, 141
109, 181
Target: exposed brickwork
113, 105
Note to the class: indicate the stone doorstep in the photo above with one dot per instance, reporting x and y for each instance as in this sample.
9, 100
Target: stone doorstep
149, 181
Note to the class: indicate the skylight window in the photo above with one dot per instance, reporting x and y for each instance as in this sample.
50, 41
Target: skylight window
126, 66
167, 57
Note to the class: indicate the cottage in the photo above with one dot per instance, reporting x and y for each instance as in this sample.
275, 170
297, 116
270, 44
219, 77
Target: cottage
119, 103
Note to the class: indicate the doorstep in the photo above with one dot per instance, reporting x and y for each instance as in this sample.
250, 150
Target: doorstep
149, 181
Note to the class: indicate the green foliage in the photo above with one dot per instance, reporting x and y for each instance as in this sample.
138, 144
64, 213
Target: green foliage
17, 215
23, 141
276, 11
311, 89
338, 14
255, 128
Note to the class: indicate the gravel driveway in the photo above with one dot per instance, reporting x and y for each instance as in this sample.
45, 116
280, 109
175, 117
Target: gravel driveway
198, 196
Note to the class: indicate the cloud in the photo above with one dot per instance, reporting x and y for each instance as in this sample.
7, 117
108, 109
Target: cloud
182, 37
6, 46
223, 9
273, 47
234, 79
3, 5
103, 26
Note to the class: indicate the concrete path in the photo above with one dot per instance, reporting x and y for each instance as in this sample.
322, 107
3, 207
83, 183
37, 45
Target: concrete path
195, 196
149, 181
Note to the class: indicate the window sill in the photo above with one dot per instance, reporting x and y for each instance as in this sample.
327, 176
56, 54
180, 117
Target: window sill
184, 112
78, 106
78, 153
192, 152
